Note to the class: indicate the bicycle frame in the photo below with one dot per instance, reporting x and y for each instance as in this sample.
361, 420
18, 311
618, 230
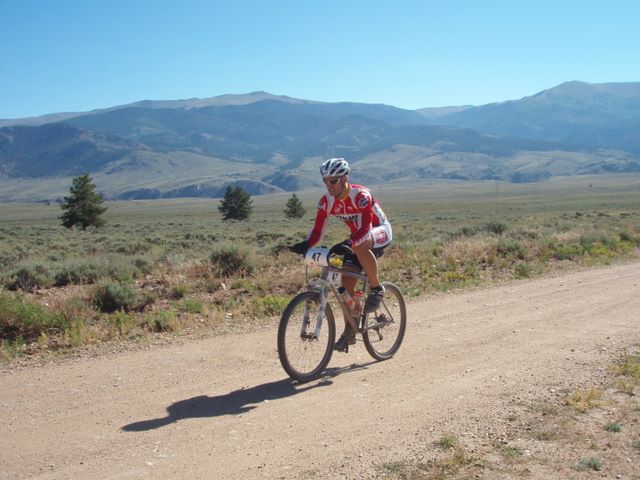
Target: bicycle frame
327, 281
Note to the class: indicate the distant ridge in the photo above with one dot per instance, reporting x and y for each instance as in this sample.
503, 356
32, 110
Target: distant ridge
605, 115
435, 112
273, 143
221, 100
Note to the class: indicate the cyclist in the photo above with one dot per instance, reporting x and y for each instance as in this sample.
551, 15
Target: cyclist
370, 234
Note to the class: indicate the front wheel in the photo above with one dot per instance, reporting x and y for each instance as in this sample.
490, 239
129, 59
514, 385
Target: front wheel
303, 348
384, 329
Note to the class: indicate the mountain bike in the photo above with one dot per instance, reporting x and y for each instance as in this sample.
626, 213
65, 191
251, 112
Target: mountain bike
307, 329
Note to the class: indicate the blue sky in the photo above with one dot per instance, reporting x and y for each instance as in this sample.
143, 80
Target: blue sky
65, 55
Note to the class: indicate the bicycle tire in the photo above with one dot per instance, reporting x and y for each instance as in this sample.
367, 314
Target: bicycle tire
390, 318
302, 357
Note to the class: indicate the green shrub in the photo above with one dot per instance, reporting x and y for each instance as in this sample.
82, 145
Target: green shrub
467, 231
179, 291
590, 463
229, 261
110, 297
497, 228
192, 305
626, 236
455, 277
30, 277
242, 284
624, 246
524, 233
143, 265
9, 349
588, 239
7, 260
511, 247
269, 305
147, 298
523, 270
74, 308
24, 319
262, 238
122, 322
162, 321
131, 247
278, 248
448, 441
81, 273
510, 451
629, 366
121, 270
597, 250
613, 427
567, 252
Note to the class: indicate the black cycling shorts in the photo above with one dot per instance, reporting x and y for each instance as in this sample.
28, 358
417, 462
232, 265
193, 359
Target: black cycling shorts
351, 259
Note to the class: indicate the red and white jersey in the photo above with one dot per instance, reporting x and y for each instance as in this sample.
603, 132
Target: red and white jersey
359, 210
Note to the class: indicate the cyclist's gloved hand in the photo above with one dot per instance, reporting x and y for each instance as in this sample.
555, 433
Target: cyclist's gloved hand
341, 248
300, 247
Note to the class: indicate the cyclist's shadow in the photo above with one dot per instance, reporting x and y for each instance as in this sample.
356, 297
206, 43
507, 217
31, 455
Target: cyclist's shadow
232, 403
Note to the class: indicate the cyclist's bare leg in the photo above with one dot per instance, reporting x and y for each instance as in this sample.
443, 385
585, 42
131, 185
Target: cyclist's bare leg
370, 266
350, 284
368, 261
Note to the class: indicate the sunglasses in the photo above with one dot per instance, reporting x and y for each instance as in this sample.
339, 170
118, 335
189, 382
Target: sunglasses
331, 181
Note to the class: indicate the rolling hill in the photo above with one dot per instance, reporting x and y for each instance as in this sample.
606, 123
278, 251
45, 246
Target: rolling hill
603, 115
268, 143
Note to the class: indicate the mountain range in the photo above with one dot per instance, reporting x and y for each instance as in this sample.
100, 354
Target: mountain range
268, 143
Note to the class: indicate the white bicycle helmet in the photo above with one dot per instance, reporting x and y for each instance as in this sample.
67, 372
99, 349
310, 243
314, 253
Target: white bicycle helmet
335, 167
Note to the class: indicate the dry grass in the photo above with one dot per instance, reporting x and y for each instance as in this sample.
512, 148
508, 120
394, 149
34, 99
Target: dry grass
156, 253
584, 400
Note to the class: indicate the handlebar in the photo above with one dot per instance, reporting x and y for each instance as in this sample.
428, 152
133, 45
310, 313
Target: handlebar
319, 256
338, 249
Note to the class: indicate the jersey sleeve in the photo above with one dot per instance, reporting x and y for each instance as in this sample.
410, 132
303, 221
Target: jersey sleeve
364, 204
320, 222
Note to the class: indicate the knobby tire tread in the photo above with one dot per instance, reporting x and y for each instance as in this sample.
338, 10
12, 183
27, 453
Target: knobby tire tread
329, 323
390, 290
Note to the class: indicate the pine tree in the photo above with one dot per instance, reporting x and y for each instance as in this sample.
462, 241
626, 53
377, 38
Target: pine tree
236, 204
294, 208
83, 207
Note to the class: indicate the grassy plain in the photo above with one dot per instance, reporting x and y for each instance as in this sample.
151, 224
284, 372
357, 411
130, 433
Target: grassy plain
176, 266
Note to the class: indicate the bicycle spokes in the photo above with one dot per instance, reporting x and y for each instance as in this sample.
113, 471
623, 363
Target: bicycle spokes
389, 319
303, 347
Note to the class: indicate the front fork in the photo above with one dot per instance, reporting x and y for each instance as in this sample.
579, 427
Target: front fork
306, 320
324, 298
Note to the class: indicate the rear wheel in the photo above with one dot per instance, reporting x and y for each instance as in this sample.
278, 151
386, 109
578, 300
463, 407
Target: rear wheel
385, 327
304, 352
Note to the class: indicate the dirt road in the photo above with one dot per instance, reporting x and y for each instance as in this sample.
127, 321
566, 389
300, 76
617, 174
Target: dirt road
223, 408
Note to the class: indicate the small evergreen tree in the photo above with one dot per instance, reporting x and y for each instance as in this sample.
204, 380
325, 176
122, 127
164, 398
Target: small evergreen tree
83, 207
236, 204
294, 208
